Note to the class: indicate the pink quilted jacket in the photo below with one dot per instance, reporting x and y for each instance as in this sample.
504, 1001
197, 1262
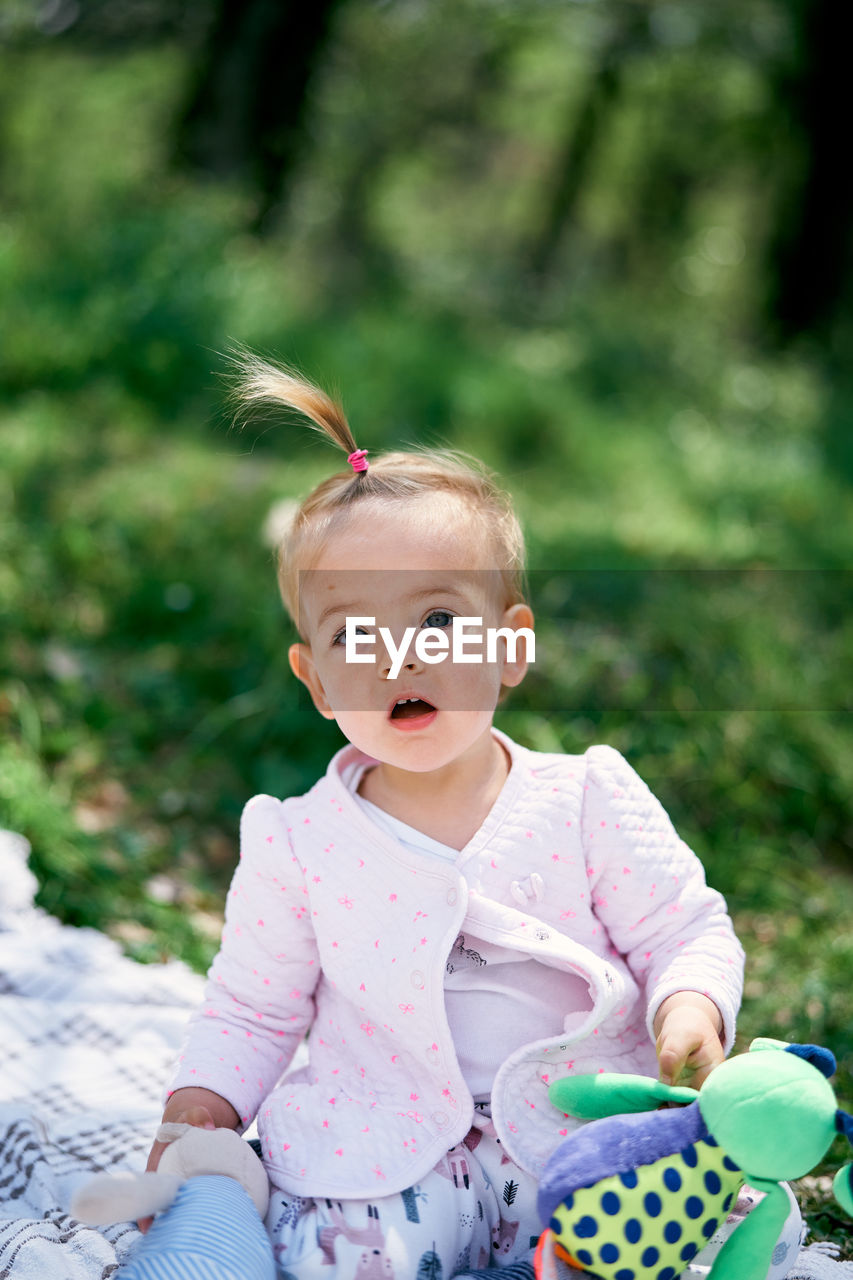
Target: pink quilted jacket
335, 931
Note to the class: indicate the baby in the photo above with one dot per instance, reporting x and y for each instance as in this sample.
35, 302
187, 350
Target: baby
452, 920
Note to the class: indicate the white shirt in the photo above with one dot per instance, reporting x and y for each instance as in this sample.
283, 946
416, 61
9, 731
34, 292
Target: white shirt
496, 999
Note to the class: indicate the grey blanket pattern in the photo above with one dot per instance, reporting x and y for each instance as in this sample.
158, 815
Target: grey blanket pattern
87, 1039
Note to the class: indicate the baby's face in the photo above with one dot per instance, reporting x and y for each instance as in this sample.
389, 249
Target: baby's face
411, 570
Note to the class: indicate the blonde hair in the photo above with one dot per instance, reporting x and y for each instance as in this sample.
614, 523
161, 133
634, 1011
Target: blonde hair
397, 476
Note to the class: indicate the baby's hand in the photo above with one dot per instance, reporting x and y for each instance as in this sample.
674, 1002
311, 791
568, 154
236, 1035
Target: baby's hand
198, 1116
199, 1107
688, 1027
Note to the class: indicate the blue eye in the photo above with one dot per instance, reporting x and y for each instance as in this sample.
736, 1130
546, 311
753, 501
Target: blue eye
444, 619
340, 636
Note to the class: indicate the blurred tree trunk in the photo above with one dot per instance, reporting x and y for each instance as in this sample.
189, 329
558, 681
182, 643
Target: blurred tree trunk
387, 131
246, 105
583, 129
810, 253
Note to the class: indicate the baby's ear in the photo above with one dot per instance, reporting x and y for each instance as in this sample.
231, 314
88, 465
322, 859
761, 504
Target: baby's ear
518, 617
592, 1097
303, 667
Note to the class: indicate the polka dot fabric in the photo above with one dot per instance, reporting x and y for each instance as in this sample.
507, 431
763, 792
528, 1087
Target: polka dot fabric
651, 1221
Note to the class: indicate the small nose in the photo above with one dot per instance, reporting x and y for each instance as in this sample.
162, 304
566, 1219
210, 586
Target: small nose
410, 662
386, 668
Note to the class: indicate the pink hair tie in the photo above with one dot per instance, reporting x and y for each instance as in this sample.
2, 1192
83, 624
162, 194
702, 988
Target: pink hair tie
358, 460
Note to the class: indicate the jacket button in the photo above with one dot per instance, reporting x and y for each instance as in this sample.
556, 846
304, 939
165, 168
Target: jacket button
432, 1055
440, 1118
417, 979
451, 897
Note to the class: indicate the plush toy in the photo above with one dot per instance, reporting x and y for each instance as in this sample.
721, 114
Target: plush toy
210, 1192
192, 1151
642, 1190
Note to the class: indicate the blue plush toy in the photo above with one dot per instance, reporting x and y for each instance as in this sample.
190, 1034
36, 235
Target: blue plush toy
640, 1191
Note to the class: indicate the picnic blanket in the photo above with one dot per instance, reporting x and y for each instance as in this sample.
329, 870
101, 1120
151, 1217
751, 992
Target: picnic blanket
87, 1039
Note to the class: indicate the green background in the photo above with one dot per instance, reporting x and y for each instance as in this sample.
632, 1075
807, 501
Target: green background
573, 239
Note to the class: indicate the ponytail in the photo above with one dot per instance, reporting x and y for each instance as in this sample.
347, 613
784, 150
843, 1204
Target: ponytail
257, 382
398, 476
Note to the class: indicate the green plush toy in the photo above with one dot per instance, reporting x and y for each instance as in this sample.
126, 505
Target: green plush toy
640, 1191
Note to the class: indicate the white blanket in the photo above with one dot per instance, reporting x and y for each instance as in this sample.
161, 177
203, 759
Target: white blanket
87, 1038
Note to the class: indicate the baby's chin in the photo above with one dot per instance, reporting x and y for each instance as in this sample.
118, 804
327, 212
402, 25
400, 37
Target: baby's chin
450, 737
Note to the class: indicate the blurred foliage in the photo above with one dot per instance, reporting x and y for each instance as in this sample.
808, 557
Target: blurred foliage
539, 232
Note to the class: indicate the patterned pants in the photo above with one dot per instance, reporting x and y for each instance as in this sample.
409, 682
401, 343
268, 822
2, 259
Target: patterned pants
476, 1209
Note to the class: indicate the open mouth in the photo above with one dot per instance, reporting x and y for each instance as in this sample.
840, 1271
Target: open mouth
411, 709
